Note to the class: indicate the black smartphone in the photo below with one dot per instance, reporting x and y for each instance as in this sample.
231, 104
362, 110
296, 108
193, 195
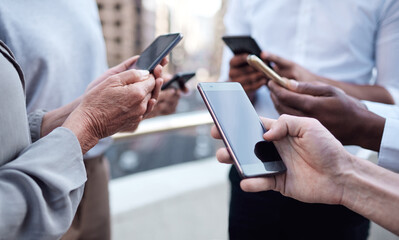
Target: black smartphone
158, 50
242, 44
178, 81
241, 129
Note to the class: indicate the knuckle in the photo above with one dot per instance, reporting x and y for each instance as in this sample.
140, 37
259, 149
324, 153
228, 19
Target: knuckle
115, 78
308, 106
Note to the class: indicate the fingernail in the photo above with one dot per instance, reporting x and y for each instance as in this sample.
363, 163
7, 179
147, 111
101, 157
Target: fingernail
143, 74
293, 84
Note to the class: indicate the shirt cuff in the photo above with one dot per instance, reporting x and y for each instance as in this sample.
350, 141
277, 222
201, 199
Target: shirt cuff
389, 150
35, 124
383, 110
394, 93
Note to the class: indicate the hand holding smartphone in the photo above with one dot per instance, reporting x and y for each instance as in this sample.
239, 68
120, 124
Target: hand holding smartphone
178, 81
157, 51
258, 64
241, 129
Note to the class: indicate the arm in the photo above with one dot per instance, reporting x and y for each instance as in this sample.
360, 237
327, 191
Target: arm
319, 170
347, 118
291, 70
41, 189
57, 117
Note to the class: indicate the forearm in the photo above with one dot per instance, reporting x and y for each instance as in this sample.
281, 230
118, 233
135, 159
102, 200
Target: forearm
369, 130
372, 93
57, 117
373, 192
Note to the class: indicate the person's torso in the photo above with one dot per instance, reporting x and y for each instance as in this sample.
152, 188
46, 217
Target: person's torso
335, 39
59, 45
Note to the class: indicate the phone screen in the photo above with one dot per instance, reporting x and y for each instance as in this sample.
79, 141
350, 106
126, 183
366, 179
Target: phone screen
237, 119
242, 44
178, 81
158, 49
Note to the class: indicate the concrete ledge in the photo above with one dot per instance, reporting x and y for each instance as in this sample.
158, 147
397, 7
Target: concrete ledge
186, 201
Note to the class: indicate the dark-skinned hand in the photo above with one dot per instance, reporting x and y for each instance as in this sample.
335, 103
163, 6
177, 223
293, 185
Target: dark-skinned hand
346, 117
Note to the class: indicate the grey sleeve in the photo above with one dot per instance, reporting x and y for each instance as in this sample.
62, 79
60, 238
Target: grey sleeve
35, 123
40, 190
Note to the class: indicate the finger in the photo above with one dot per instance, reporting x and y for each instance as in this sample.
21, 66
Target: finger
124, 65
150, 107
223, 156
258, 184
158, 71
258, 84
267, 122
279, 61
239, 60
313, 89
165, 61
302, 102
242, 71
284, 109
132, 76
288, 125
157, 89
215, 133
143, 88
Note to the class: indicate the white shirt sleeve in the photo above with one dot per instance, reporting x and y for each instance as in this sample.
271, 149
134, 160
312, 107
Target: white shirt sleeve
389, 150
387, 49
383, 110
235, 24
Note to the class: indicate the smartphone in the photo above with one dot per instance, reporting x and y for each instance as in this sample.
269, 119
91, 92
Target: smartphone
241, 129
178, 81
258, 64
157, 51
242, 44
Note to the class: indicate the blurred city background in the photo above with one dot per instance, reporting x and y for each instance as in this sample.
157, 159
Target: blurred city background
129, 27
166, 183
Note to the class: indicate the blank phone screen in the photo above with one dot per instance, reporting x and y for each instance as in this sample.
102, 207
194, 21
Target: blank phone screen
242, 127
152, 55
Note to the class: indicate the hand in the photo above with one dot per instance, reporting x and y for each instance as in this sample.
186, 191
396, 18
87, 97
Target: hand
250, 79
315, 161
342, 114
167, 103
123, 67
289, 69
117, 104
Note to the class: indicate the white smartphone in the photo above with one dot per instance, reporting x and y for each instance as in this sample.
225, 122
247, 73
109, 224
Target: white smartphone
241, 129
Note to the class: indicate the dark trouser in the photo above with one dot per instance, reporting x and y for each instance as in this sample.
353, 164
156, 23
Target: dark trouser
92, 219
270, 215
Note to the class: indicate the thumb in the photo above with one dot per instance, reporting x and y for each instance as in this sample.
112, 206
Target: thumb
285, 126
133, 76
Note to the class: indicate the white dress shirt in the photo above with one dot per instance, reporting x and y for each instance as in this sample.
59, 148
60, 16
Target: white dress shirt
388, 156
343, 39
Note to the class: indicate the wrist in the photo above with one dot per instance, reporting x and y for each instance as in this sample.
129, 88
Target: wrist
81, 126
349, 180
369, 130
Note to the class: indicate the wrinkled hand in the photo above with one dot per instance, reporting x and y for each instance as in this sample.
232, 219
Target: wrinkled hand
117, 104
123, 67
315, 161
338, 112
250, 79
289, 69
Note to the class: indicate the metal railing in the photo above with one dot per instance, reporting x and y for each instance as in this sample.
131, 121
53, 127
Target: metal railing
168, 123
